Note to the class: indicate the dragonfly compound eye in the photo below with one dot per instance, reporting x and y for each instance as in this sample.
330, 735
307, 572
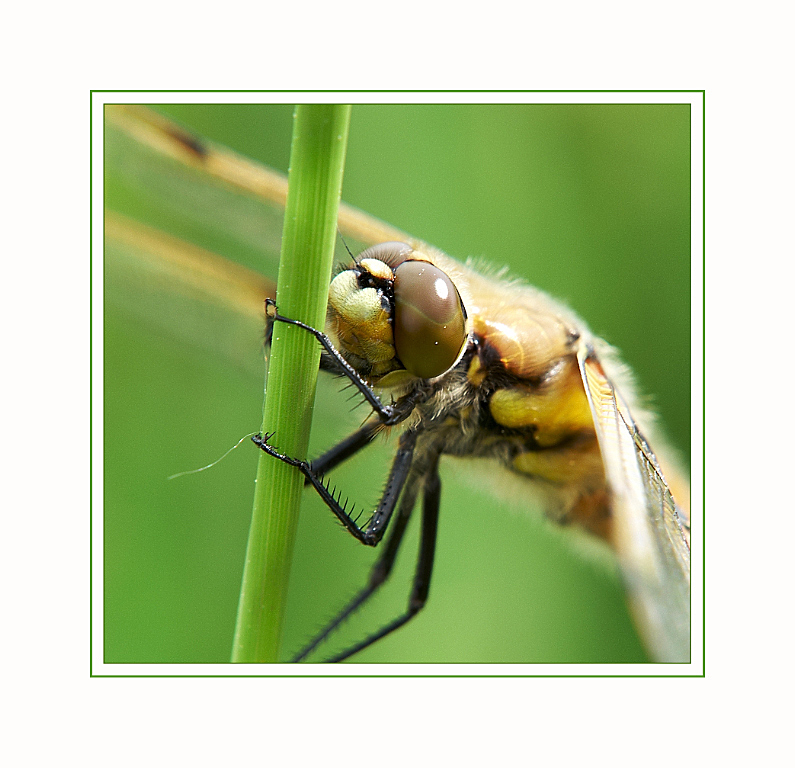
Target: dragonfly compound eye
429, 321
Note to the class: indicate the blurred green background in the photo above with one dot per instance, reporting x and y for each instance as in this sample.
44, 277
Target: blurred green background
588, 202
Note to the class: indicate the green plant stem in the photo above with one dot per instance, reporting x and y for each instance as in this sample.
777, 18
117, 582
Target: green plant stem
317, 158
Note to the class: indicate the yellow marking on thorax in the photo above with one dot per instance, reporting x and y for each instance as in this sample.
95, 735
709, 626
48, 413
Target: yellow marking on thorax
476, 374
557, 409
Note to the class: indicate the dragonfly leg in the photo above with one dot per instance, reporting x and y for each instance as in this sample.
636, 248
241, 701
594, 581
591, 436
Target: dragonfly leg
373, 532
387, 414
379, 573
422, 575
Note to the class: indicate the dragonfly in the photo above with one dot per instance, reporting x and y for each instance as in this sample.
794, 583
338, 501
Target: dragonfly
564, 418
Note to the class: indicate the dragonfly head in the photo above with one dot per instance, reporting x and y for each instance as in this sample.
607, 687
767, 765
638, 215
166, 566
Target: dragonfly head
394, 310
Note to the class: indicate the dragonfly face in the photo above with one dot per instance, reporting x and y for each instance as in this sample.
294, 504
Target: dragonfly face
397, 316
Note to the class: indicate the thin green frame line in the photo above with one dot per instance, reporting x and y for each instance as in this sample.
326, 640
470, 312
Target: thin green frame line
703, 92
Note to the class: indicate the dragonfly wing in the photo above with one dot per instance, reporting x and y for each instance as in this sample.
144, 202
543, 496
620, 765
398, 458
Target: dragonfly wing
185, 292
233, 203
651, 532
174, 201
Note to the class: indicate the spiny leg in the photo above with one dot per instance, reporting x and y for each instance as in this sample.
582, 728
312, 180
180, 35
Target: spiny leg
380, 571
373, 532
422, 575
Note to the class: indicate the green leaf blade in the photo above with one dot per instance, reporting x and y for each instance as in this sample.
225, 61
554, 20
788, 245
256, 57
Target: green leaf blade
310, 225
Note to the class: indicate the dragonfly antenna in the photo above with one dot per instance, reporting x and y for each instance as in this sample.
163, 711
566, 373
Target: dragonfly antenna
339, 232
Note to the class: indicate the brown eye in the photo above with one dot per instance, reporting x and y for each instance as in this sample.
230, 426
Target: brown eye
392, 253
430, 322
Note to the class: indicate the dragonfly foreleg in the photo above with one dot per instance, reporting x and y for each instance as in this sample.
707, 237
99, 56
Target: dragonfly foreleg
387, 414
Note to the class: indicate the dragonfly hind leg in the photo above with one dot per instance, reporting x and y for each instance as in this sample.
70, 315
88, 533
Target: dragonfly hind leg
378, 575
422, 574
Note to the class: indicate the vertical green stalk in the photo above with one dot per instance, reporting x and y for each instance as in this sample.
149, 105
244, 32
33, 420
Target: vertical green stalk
317, 157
